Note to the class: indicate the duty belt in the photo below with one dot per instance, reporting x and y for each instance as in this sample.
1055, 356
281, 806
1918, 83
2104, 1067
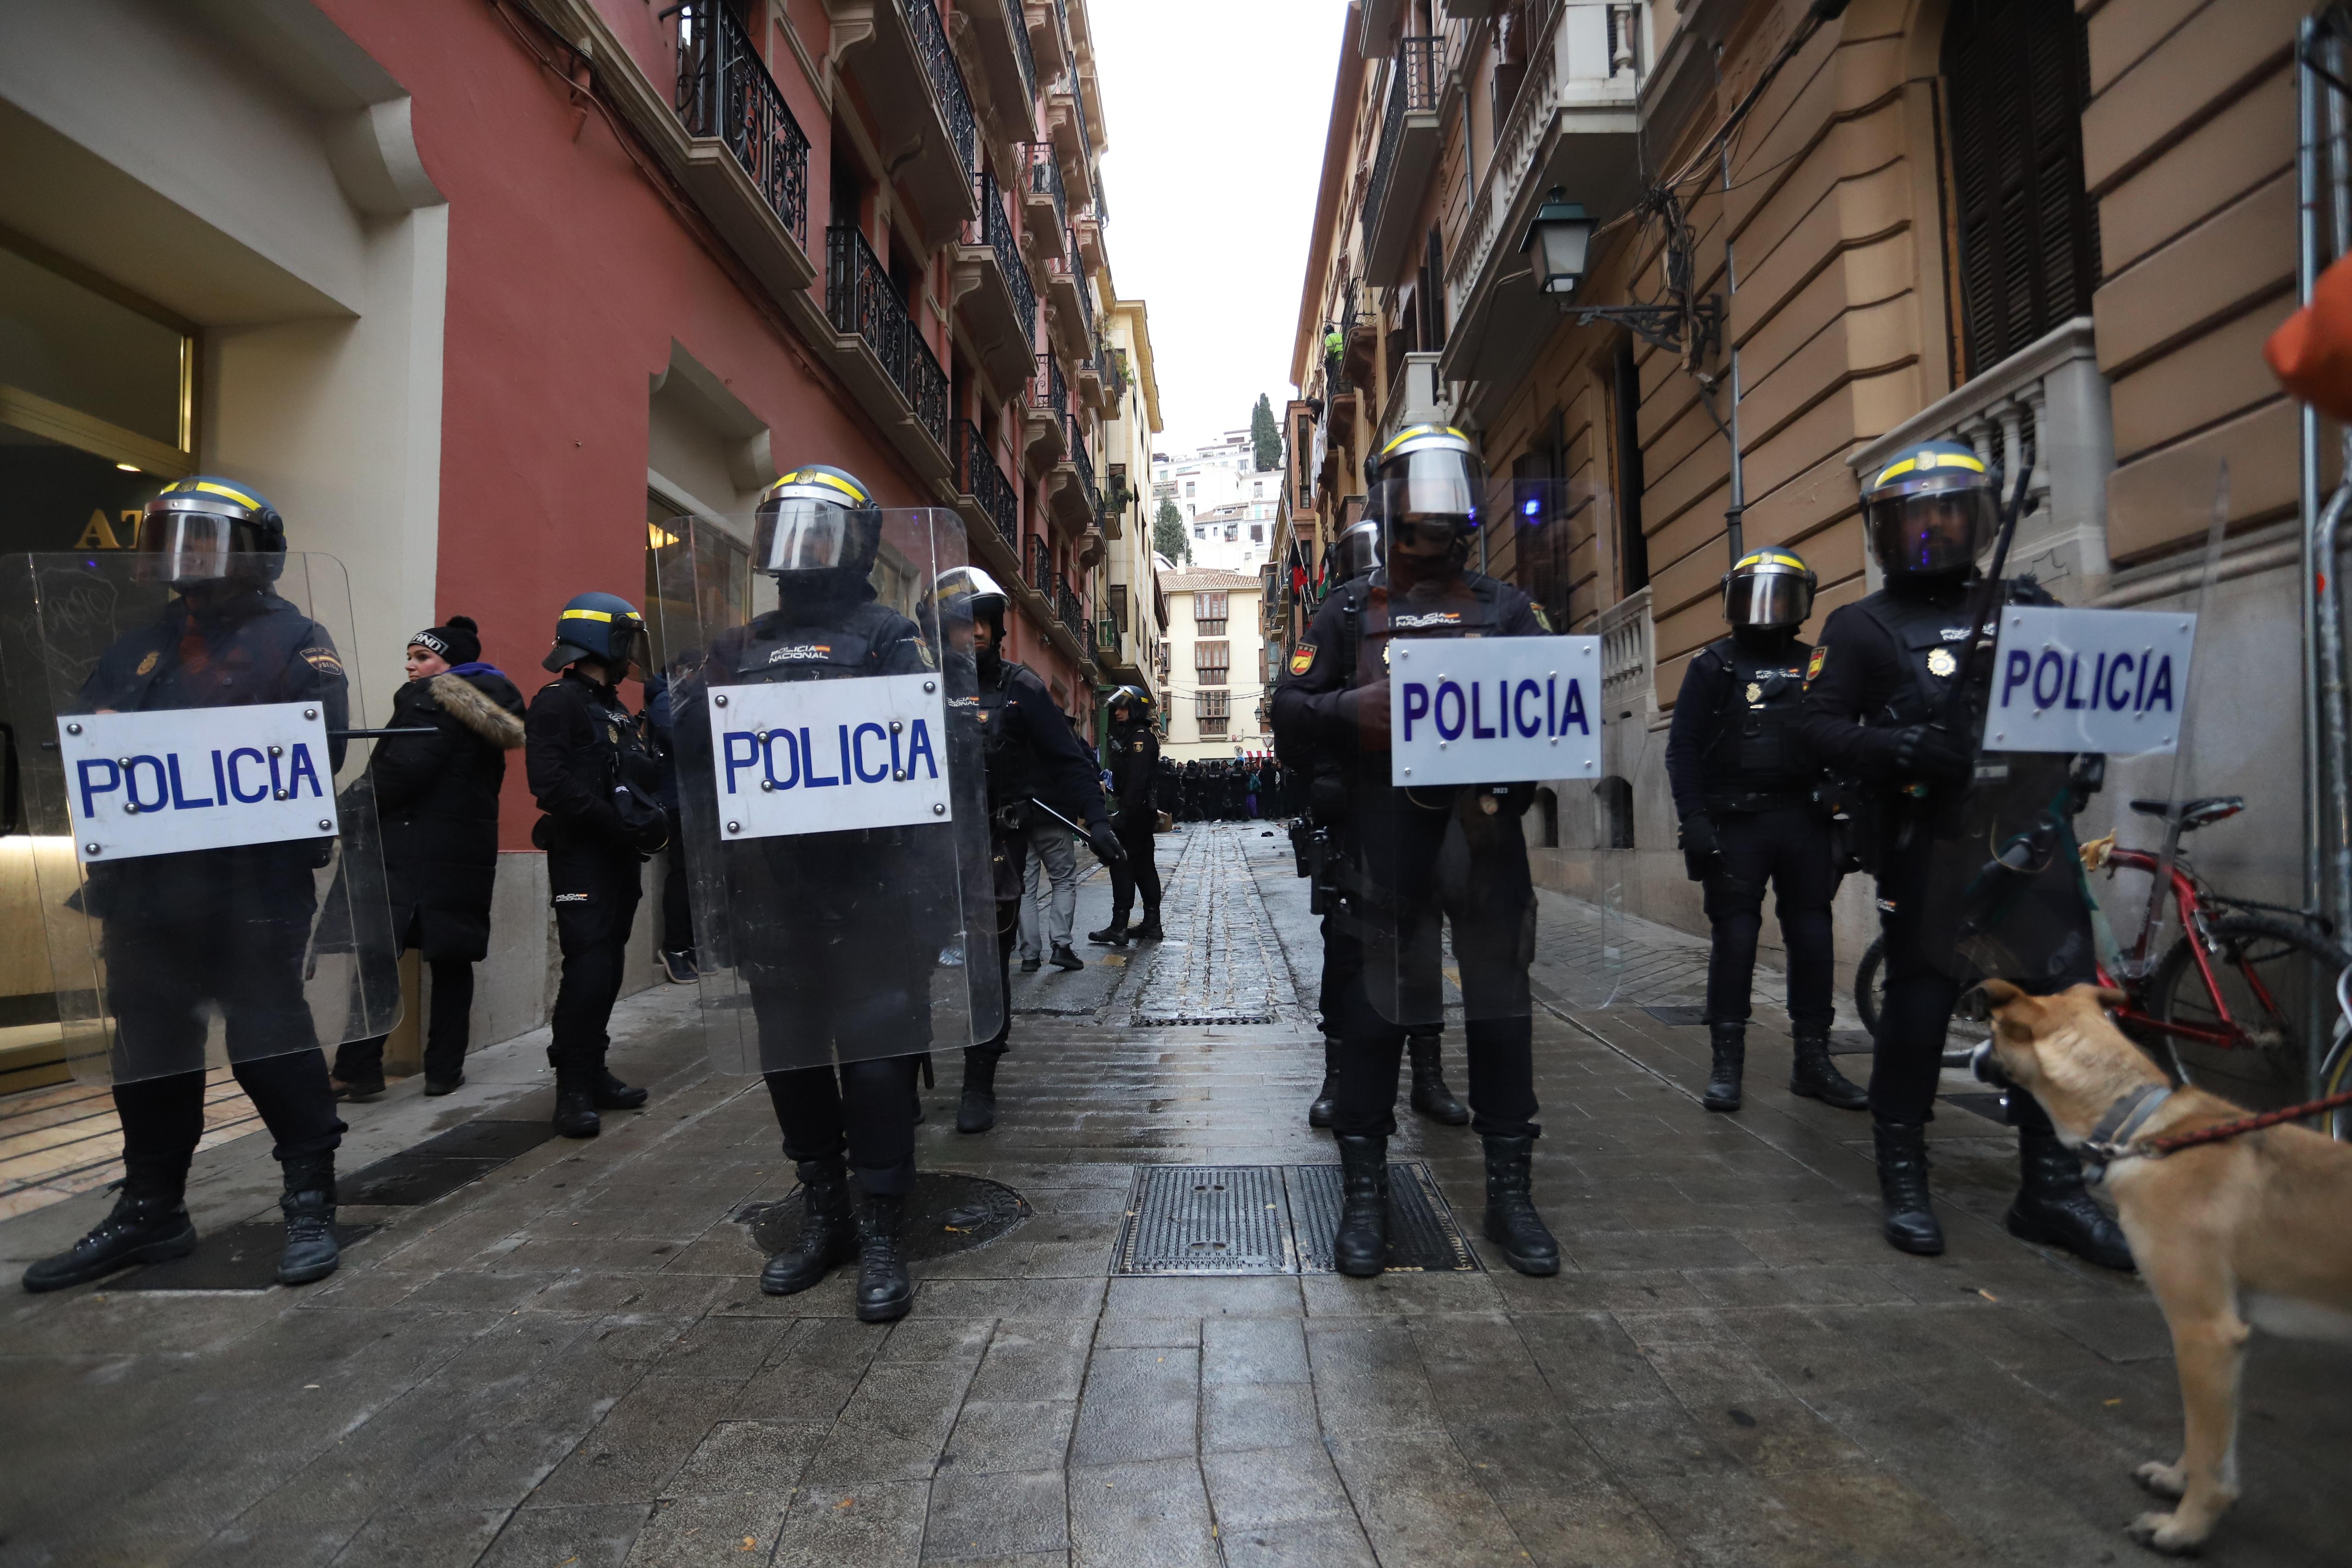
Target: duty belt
1755, 802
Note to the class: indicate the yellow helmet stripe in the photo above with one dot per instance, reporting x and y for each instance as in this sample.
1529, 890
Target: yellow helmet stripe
240, 497
1408, 433
1927, 460
812, 477
1769, 557
585, 615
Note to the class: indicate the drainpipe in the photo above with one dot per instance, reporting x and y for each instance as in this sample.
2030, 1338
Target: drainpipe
2306, 268
1735, 512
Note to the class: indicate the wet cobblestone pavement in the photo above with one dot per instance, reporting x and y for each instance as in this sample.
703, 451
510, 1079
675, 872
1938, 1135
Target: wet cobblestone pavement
568, 1362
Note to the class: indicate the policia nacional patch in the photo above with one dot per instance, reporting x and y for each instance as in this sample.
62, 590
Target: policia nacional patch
1302, 659
1813, 666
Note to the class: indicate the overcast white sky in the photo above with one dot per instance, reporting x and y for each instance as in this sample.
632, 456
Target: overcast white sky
1217, 110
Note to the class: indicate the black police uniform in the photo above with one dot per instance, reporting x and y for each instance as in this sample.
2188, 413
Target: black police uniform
1388, 842
1735, 755
225, 926
1884, 667
1134, 764
580, 743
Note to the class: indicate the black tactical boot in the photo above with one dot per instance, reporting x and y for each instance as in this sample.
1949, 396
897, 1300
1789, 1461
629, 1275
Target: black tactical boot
1910, 1222
1430, 1097
1728, 1042
1361, 1246
1064, 959
575, 1103
1150, 930
1816, 1077
976, 1113
1326, 1099
828, 1233
308, 1206
1512, 1222
884, 1293
1113, 935
145, 1227
2056, 1209
611, 1094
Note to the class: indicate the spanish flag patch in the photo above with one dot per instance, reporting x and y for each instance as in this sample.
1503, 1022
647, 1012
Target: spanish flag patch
1302, 659
1813, 666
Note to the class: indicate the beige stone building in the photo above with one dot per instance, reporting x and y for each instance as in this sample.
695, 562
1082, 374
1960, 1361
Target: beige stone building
2058, 231
1214, 668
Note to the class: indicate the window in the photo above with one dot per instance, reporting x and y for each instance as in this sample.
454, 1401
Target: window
1200, 533
1212, 708
1118, 605
1212, 662
1189, 488
1208, 613
2016, 76
1257, 533
1232, 530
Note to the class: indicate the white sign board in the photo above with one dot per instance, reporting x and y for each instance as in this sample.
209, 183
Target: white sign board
1493, 710
824, 757
196, 778
2089, 680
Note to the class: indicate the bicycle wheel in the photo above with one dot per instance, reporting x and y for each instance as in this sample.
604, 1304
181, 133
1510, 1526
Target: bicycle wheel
2271, 971
1870, 985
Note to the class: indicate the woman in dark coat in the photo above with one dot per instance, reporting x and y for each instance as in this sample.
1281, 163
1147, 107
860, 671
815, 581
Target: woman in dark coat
437, 798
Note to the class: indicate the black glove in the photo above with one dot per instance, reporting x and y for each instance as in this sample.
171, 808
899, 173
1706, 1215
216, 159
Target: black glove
1701, 852
1105, 844
1931, 754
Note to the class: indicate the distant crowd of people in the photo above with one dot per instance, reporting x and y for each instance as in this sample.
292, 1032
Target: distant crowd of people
1249, 788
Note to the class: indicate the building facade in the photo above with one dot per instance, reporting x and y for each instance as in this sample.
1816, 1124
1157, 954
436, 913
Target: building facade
484, 296
2056, 229
1229, 505
1215, 669
1132, 619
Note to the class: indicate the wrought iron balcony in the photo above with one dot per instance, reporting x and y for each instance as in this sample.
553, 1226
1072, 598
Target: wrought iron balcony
1028, 57
1047, 390
1037, 566
860, 298
1079, 460
994, 230
947, 78
1409, 139
978, 476
1046, 179
725, 91
1107, 636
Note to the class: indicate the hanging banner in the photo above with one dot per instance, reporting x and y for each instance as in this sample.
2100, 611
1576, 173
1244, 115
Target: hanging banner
168, 780
1493, 710
2069, 680
824, 757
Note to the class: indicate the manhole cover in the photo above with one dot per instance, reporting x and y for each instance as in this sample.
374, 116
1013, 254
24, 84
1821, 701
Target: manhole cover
241, 1258
948, 1213
1422, 1236
1205, 1220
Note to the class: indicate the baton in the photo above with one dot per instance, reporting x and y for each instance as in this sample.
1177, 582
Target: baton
1955, 701
1058, 817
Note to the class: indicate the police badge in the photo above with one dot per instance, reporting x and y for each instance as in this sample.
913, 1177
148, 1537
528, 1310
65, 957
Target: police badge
1941, 662
1755, 692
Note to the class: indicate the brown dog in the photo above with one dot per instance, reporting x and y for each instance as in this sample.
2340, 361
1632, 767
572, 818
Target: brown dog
2250, 1228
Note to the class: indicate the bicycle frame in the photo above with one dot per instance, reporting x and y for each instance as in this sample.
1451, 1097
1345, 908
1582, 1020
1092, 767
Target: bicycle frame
2188, 903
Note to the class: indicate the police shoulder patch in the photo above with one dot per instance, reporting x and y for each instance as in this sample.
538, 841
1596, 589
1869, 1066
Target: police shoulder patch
1542, 620
1302, 659
1813, 666
147, 664
318, 659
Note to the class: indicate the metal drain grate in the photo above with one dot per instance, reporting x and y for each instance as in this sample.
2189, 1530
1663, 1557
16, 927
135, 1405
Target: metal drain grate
1205, 1220
1422, 1236
1274, 1219
948, 1212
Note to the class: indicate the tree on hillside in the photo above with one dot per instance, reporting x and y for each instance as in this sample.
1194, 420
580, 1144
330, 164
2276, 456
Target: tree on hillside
1266, 435
1167, 533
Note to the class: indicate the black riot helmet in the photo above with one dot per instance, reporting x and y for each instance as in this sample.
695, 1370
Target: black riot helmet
1135, 700
605, 627
1931, 510
1427, 483
1768, 590
961, 597
205, 529
816, 524
1356, 551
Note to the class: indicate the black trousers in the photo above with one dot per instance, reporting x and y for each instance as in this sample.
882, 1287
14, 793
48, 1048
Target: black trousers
677, 911
447, 1025
1140, 873
595, 889
163, 1118
1789, 848
854, 997
861, 1109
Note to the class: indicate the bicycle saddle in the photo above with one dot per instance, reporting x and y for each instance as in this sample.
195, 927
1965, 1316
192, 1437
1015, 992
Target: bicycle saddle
2194, 814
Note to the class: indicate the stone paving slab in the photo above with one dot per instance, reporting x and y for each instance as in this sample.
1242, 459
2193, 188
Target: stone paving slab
570, 1362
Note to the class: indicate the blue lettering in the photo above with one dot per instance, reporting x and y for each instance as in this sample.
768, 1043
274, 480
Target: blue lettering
91, 791
1572, 711
1520, 707
2055, 667
2159, 688
858, 747
303, 767
919, 744
897, 766
1416, 704
1437, 712
2120, 664
2139, 698
2021, 666
220, 781
847, 771
2073, 674
236, 780
2098, 675
813, 779
276, 784
792, 753
1479, 730
181, 800
131, 784
1551, 702
736, 763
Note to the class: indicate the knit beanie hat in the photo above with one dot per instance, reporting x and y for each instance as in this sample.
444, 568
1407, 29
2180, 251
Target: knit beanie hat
458, 642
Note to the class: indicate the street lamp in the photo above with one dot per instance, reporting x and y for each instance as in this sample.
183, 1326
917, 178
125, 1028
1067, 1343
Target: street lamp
1561, 234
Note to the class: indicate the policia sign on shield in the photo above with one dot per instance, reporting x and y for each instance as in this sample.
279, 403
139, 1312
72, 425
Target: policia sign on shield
204, 839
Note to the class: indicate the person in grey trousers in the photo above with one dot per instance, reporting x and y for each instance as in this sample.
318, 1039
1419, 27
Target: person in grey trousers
1053, 856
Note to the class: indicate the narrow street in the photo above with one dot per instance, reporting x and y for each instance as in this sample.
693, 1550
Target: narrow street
545, 1353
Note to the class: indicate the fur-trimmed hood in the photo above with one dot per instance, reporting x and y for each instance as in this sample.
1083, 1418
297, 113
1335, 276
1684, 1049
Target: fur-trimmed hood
478, 711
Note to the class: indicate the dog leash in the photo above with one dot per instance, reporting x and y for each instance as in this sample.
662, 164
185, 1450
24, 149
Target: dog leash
2158, 1147
2111, 1140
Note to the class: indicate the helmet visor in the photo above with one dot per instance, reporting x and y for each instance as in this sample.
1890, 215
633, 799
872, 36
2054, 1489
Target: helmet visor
1768, 598
1358, 552
1940, 526
1436, 482
799, 534
178, 547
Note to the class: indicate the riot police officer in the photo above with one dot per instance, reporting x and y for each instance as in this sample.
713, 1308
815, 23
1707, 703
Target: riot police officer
1427, 490
1747, 792
1134, 761
222, 928
1876, 709
595, 773
1353, 556
1032, 754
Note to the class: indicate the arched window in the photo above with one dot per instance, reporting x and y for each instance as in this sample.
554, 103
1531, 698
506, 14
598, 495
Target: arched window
2016, 76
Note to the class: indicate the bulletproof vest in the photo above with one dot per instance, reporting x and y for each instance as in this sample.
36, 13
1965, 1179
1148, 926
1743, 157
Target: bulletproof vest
1014, 770
1475, 614
1757, 749
851, 644
1934, 640
1129, 751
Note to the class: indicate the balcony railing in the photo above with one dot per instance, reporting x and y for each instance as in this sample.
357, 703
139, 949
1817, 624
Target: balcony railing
1045, 178
978, 476
1107, 636
724, 91
1019, 29
994, 230
1039, 565
1629, 655
1069, 266
1047, 390
947, 78
1086, 467
1069, 608
1412, 89
859, 298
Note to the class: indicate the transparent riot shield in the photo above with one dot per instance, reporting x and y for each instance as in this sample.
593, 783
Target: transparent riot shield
205, 851
833, 801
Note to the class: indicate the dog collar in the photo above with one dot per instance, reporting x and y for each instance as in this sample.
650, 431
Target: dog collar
2111, 1139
